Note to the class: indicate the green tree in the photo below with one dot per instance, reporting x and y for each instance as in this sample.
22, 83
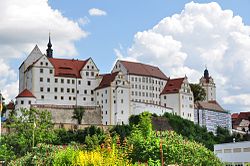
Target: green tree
29, 128
198, 91
78, 114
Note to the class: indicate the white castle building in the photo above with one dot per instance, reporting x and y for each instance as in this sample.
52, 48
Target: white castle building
209, 113
130, 88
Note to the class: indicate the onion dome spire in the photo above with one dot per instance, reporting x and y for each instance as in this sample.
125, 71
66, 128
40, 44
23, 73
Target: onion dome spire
49, 49
206, 74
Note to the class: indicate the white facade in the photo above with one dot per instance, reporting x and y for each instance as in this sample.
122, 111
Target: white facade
49, 88
144, 88
180, 99
24, 102
138, 108
235, 154
112, 96
135, 87
211, 119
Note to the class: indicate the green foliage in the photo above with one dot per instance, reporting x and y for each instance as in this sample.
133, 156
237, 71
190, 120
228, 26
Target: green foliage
175, 149
28, 129
78, 136
78, 114
65, 157
92, 142
122, 130
5, 153
42, 154
191, 131
134, 120
198, 92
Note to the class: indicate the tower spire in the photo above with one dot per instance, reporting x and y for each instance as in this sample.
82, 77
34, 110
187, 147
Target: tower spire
49, 49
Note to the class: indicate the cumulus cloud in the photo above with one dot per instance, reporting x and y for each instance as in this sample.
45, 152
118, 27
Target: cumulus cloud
97, 12
202, 34
23, 26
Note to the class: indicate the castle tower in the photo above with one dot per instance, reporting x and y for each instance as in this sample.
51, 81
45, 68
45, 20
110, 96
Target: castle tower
208, 84
49, 49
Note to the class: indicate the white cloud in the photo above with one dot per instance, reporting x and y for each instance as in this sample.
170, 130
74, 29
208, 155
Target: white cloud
238, 99
97, 12
202, 34
26, 23
83, 21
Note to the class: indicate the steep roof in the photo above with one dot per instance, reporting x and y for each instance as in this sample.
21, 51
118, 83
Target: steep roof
244, 115
25, 93
212, 105
67, 67
143, 69
234, 115
11, 106
173, 86
107, 79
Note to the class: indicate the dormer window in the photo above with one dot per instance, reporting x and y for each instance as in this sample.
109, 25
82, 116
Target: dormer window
41, 63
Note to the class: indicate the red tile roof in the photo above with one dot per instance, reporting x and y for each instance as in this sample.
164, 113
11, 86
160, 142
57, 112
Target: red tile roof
107, 79
244, 115
11, 106
143, 69
67, 67
173, 86
25, 93
212, 105
234, 115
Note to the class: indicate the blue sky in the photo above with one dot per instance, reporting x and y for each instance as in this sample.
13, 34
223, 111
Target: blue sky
124, 19
181, 37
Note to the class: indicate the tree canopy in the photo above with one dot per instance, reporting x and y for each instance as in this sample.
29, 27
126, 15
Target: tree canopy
198, 92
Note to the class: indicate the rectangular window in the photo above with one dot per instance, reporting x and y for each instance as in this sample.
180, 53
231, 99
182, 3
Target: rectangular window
55, 89
85, 91
68, 90
79, 82
73, 90
62, 81
87, 73
62, 97
92, 92
48, 79
92, 99
29, 102
62, 90
50, 71
84, 99
55, 97
92, 73
42, 96
41, 79
74, 98
68, 81
41, 70
73, 81
41, 89
48, 89
22, 102
89, 83
69, 97
56, 80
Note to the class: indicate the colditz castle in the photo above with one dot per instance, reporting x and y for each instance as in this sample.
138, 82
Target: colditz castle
61, 85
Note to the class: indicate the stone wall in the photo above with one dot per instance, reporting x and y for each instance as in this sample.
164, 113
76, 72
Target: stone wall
62, 114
